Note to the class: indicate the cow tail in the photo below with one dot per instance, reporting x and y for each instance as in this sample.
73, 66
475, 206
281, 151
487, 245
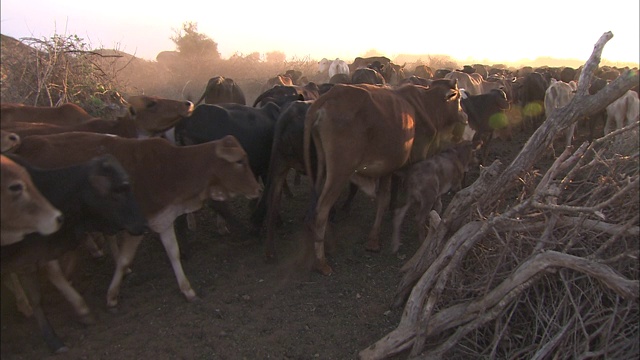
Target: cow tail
310, 119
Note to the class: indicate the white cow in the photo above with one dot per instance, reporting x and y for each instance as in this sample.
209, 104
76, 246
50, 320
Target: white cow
323, 65
338, 67
558, 95
622, 112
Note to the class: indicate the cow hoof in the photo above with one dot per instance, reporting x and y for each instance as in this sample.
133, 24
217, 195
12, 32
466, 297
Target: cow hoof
372, 247
194, 300
323, 268
87, 319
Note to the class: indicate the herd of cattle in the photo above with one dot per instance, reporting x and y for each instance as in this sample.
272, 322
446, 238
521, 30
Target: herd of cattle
369, 126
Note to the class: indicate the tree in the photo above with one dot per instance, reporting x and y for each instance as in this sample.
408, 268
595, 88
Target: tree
194, 45
276, 57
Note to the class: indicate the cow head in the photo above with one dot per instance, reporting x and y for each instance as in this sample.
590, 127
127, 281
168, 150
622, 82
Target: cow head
110, 198
9, 141
23, 208
234, 176
154, 115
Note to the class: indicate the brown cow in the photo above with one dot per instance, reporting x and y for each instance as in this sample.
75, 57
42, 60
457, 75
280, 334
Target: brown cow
24, 209
427, 180
168, 181
363, 133
156, 115
8, 140
222, 90
64, 114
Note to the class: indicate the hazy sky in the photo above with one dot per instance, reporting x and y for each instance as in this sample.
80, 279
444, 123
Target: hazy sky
485, 30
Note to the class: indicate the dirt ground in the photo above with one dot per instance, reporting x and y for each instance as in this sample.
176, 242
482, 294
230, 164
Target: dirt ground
249, 309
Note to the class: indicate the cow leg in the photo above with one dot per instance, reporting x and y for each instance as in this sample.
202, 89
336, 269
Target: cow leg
570, 133
398, 218
32, 290
327, 199
115, 250
172, 249
383, 196
124, 258
22, 302
274, 198
57, 278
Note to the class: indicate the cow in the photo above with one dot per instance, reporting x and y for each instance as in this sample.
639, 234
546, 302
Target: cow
426, 181
529, 93
363, 133
281, 94
340, 79
296, 76
222, 90
359, 63
286, 154
338, 66
558, 95
277, 80
168, 181
423, 71
92, 196
64, 114
122, 126
323, 65
474, 85
24, 209
416, 80
154, 115
8, 140
622, 112
441, 73
367, 76
486, 114
252, 127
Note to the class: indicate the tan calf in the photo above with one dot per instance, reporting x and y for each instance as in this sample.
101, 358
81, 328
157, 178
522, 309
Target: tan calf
426, 181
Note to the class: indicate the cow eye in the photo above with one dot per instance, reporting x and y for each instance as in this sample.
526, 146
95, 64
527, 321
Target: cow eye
151, 104
16, 189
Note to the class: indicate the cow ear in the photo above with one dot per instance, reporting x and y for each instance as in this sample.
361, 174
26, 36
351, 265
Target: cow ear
229, 149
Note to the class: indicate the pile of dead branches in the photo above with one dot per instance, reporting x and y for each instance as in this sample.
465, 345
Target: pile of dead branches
551, 272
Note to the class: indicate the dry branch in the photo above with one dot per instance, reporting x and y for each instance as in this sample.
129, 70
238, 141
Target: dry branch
581, 214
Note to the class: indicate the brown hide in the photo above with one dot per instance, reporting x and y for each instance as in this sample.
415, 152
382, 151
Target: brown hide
124, 127
65, 114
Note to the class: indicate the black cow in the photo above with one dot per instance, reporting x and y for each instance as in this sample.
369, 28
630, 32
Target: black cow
486, 114
367, 76
93, 197
222, 90
529, 91
283, 94
286, 154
